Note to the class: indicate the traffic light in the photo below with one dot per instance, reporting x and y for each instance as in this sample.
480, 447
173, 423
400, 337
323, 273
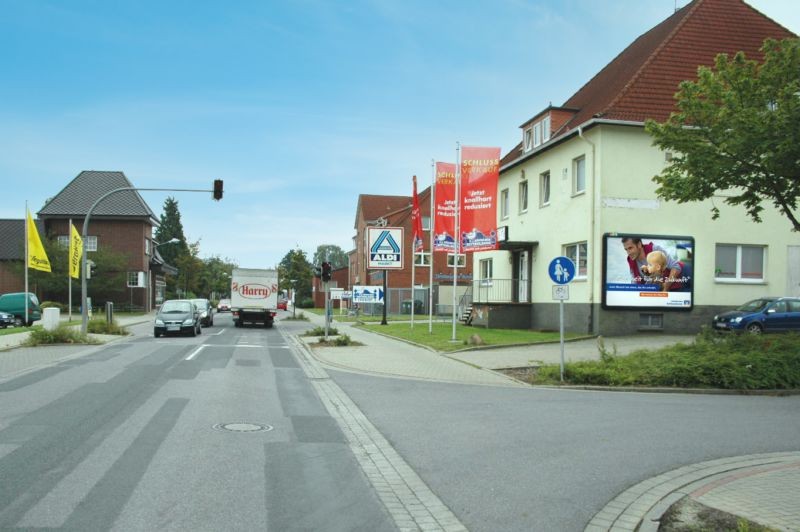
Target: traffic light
218, 189
326, 271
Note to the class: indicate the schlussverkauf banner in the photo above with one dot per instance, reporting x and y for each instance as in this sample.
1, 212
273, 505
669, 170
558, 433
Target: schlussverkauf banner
480, 171
445, 217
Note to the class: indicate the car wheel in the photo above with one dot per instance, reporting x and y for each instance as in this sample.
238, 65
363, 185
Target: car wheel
199, 329
754, 328
193, 332
17, 322
156, 334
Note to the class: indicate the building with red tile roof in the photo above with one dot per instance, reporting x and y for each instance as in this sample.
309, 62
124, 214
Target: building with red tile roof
582, 176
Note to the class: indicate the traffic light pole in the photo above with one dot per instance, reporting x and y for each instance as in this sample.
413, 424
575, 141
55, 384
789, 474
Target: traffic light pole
84, 289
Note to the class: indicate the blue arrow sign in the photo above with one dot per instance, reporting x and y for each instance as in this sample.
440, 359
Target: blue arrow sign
561, 270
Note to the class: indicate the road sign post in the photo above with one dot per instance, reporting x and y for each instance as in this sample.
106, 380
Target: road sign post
561, 271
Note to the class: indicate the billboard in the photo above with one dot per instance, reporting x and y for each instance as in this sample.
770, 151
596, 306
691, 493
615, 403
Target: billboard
648, 271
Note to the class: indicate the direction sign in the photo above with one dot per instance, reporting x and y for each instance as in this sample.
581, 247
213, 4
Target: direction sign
561, 270
367, 294
385, 248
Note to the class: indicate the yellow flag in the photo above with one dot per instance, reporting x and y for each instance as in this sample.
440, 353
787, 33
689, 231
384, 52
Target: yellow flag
75, 252
37, 258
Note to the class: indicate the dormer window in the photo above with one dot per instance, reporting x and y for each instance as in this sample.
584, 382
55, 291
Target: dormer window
537, 134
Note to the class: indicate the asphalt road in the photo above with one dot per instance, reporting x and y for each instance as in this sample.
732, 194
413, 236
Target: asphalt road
132, 436
153, 434
534, 459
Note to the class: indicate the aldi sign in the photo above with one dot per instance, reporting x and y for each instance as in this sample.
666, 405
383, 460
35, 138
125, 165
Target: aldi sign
385, 248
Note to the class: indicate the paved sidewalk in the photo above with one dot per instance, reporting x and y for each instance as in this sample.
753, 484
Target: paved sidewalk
763, 488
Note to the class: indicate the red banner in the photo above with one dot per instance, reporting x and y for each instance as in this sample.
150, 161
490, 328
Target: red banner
416, 220
444, 228
480, 171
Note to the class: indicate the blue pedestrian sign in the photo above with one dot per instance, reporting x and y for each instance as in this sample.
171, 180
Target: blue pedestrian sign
561, 270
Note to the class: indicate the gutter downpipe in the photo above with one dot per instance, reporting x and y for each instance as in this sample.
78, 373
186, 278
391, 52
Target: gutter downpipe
592, 228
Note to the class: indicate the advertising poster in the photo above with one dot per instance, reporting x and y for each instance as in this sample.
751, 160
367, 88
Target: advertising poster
480, 170
648, 271
444, 229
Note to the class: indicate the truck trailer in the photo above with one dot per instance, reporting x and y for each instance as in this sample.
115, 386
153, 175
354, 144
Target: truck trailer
254, 296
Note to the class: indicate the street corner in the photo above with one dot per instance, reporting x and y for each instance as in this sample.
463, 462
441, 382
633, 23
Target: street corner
761, 490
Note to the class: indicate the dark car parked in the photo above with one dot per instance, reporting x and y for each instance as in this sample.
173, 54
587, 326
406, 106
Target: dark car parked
206, 312
177, 316
6, 319
766, 314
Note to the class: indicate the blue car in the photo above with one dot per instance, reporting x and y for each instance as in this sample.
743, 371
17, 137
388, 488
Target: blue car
766, 314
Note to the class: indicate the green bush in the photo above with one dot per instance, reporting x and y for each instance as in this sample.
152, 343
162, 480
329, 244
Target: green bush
320, 331
736, 361
101, 326
306, 303
53, 304
300, 317
61, 335
342, 340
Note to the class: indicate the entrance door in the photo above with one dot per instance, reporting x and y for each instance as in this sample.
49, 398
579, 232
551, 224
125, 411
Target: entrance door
793, 271
522, 269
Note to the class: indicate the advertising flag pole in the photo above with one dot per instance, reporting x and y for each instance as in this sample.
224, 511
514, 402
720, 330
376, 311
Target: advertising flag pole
457, 236
69, 273
27, 251
430, 270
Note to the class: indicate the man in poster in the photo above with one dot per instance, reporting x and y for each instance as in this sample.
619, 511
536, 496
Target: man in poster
651, 264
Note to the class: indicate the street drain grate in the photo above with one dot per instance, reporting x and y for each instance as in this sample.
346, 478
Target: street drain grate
242, 427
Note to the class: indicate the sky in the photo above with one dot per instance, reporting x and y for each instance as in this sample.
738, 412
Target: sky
298, 106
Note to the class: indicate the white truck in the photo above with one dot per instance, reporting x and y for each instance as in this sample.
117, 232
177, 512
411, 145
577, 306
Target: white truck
254, 296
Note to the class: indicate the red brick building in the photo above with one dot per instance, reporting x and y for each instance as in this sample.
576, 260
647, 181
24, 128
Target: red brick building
122, 223
395, 211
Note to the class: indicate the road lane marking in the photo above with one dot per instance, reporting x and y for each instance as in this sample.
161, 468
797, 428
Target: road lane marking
194, 353
217, 334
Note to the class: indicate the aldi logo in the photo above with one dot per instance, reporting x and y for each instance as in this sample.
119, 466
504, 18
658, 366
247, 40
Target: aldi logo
385, 248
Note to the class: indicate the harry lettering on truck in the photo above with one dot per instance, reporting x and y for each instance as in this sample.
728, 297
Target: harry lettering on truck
254, 296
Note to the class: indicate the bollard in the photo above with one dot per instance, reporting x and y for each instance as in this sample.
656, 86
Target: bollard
109, 312
50, 318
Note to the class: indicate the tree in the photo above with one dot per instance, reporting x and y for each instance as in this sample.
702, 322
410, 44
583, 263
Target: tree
171, 227
295, 266
177, 254
332, 254
215, 278
736, 130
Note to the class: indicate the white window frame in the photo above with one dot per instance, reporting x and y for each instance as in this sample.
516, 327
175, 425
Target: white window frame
546, 129
147, 246
504, 204
486, 271
63, 240
90, 244
135, 277
579, 175
545, 184
738, 278
426, 223
537, 134
580, 255
422, 259
523, 196
527, 139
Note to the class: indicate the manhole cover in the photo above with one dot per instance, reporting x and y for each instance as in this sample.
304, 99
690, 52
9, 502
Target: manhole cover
242, 427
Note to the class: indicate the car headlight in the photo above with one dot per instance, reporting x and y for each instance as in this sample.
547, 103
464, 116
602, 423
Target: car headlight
204, 314
715, 317
159, 322
738, 320
189, 321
